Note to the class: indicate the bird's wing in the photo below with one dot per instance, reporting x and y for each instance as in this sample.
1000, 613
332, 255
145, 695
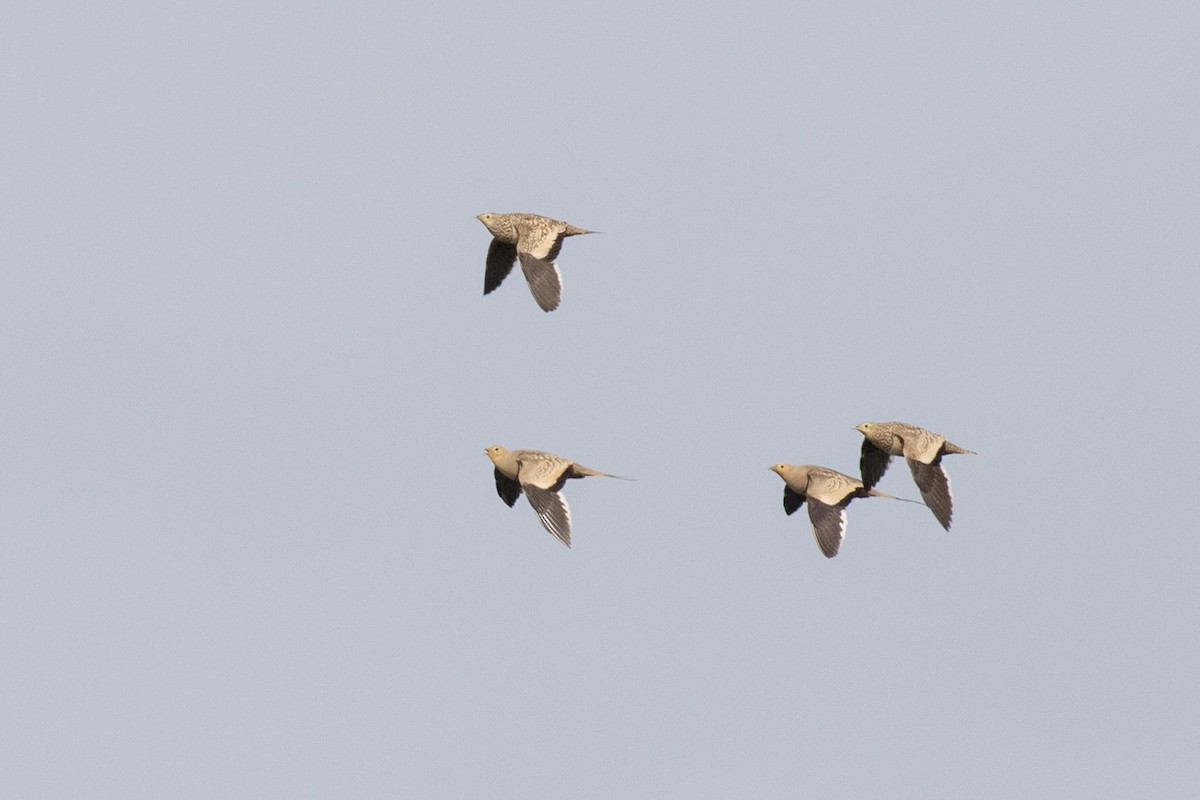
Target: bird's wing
792, 500
934, 484
828, 524
545, 281
832, 487
541, 470
541, 239
508, 489
552, 510
873, 464
500, 259
921, 445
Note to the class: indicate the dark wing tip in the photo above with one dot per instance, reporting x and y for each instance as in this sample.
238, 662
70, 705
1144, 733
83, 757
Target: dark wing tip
501, 257
508, 489
792, 500
873, 463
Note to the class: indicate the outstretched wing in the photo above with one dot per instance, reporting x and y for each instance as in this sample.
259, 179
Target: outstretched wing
508, 488
552, 510
873, 464
500, 259
934, 484
792, 500
545, 281
828, 524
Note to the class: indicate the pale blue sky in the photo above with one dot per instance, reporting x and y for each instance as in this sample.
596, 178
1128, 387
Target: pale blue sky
250, 545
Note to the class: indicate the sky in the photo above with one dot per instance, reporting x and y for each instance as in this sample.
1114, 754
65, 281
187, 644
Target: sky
250, 544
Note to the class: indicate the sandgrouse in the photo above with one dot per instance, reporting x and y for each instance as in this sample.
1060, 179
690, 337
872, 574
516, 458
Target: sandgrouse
828, 492
922, 449
541, 477
534, 239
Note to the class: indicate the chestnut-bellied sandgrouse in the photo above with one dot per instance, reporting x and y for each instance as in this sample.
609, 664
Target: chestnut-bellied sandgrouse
828, 492
922, 449
535, 240
541, 477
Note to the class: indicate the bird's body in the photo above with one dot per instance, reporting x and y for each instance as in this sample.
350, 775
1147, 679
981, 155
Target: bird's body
540, 476
535, 240
922, 449
828, 492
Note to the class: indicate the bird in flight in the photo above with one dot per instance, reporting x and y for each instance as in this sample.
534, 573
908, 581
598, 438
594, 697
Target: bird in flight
540, 476
535, 240
828, 492
922, 449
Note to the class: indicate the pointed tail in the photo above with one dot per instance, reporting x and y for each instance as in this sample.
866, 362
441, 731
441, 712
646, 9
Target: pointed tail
877, 493
580, 471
